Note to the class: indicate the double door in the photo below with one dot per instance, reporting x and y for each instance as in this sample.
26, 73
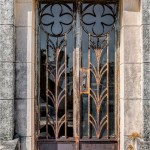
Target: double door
77, 103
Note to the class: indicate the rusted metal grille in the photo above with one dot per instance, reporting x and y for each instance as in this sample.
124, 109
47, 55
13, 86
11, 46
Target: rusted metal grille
77, 63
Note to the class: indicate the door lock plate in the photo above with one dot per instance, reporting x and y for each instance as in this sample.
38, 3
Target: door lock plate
84, 81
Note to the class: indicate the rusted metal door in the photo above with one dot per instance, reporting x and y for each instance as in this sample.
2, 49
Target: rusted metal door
76, 106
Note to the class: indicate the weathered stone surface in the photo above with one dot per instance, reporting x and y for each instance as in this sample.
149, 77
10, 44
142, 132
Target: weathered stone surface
145, 30
7, 52
23, 1
23, 9
146, 42
130, 45
7, 128
132, 81
145, 4
128, 142
26, 143
6, 80
146, 117
129, 5
145, 11
23, 80
5, 113
145, 16
121, 123
7, 12
122, 81
133, 119
24, 44
23, 117
130, 18
143, 145
10, 145
146, 81
6, 119
7, 70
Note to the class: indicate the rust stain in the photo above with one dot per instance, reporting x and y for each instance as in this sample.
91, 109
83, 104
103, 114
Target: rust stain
134, 136
130, 147
77, 139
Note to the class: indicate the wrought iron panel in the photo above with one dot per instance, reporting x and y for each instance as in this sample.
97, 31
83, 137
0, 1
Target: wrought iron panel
56, 21
77, 63
98, 56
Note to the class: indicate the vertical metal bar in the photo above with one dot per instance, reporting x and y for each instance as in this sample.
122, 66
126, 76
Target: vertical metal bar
46, 65
97, 53
98, 107
65, 87
117, 72
118, 76
107, 85
89, 85
38, 145
56, 92
37, 58
38, 68
116, 83
76, 76
74, 101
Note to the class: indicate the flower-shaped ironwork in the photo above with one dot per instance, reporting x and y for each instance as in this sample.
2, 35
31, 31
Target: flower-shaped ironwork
56, 19
98, 20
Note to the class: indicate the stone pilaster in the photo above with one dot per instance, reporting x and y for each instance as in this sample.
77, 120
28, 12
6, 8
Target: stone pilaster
7, 73
24, 94
145, 46
135, 76
130, 74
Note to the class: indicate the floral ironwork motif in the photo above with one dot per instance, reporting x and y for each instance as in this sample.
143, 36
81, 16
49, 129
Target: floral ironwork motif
98, 19
56, 19
59, 25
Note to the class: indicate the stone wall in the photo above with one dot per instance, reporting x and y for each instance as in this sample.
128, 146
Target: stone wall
7, 72
145, 46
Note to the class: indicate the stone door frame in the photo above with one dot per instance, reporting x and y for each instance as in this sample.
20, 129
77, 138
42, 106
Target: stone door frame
18, 78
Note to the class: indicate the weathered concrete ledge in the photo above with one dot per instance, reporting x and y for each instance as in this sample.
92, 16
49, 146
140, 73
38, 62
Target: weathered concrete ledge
10, 145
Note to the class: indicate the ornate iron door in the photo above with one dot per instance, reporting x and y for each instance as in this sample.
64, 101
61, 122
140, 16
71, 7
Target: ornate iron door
77, 76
